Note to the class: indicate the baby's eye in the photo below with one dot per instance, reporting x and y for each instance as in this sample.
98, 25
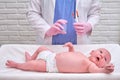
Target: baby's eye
105, 59
101, 51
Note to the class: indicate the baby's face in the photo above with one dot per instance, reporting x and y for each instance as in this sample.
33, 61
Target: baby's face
100, 57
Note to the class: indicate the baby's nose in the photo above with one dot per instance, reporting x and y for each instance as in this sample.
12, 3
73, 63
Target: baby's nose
101, 56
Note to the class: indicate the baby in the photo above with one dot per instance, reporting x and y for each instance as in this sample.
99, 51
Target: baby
66, 62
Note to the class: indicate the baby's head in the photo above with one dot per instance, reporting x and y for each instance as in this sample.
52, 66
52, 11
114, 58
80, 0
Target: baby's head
100, 57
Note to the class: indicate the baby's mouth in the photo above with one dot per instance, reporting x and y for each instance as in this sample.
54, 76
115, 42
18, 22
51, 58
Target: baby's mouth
98, 58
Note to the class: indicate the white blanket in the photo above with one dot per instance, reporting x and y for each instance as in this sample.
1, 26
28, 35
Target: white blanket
16, 52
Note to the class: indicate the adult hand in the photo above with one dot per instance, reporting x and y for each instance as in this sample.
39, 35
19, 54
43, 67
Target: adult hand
57, 28
82, 28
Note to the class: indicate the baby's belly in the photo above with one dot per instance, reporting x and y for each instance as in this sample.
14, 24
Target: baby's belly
70, 65
68, 69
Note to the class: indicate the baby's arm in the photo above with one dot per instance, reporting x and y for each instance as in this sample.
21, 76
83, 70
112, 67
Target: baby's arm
109, 68
70, 46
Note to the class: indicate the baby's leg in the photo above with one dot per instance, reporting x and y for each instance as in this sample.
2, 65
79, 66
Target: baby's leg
34, 56
33, 65
40, 49
27, 56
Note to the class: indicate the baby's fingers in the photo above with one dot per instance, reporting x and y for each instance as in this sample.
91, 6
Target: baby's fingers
110, 66
68, 44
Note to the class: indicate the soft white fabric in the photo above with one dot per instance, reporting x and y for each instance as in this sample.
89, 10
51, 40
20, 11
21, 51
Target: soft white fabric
49, 57
16, 52
41, 14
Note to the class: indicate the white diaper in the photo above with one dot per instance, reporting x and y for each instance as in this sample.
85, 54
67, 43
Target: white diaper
49, 57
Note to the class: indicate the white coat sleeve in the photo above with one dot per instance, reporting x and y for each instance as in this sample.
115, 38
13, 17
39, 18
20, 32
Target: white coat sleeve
34, 16
94, 13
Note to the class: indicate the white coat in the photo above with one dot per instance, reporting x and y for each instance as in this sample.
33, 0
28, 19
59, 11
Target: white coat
41, 14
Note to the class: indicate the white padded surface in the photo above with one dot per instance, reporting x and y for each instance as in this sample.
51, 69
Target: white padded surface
16, 52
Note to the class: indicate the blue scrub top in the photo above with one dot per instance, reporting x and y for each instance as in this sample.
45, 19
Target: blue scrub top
64, 9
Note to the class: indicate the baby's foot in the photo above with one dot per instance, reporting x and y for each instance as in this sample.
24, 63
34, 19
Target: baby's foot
12, 64
27, 56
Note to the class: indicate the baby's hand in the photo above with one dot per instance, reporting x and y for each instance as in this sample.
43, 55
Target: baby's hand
68, 44
109, 68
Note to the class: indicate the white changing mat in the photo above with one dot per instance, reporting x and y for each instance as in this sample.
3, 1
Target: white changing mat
16, 52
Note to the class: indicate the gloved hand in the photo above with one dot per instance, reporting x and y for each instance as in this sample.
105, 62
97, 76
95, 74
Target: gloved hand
57, 28
82, 28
